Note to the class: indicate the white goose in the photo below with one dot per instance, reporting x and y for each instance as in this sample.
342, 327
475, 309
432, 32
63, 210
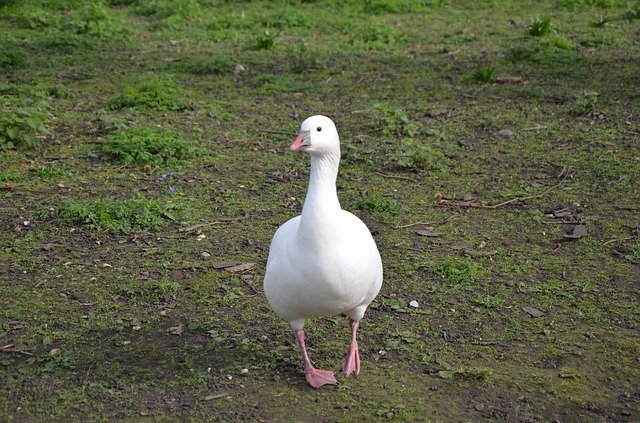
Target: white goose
325, 261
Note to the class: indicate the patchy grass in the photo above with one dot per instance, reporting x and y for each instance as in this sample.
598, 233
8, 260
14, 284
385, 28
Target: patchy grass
148, 146
133, 214
116, 304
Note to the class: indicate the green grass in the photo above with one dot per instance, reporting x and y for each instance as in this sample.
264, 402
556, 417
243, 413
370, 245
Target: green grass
148, 146
133, 214
158, 94
145, 144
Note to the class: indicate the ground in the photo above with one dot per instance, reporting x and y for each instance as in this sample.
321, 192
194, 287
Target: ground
493, 149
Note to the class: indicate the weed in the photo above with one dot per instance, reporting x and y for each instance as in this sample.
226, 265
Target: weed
46, 173
391, 411
376, 36
458, 271
586, 102
378, 204
148, 146
265, 41
149, 290
416, 155
159, 94
11, 57
540, 26
634, 12
22, 120
601, 22
133, 214
394, 121
489, 301
559, 42
484, 74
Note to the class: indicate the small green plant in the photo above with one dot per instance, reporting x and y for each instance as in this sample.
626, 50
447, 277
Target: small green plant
634, 12
159, 94
148, 146
457, 270
558, 41
484, 74
22, 120
149, 290
540, 26
489, 301
378, 204
601, 22
586, 102
265, 41
133, 214
416, 155
394, 121
376, 36
11, 57
46, 173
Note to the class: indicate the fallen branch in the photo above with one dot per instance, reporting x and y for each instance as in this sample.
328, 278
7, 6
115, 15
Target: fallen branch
616, 240
513, 200
193, 228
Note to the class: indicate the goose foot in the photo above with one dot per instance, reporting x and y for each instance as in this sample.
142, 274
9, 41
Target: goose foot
318, 378
351, 363
315, 377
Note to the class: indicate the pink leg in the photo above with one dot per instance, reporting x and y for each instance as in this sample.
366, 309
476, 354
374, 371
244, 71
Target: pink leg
351, 363
315, 377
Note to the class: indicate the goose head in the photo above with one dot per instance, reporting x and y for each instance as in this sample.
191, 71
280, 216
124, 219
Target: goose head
318, 136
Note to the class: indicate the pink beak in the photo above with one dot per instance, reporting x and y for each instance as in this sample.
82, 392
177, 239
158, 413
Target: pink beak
301, 142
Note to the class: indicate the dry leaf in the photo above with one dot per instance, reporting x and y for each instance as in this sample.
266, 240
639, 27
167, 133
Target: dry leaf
224, 264
175, 330
509, 80
429, 232
241, 267
578, 231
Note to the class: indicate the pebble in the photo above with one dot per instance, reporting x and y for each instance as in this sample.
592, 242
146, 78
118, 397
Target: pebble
505, 133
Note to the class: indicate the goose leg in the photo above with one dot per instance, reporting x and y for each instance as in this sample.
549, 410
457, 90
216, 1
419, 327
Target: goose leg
351, 363
315, 377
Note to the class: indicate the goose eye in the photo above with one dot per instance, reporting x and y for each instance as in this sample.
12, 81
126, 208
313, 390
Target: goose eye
318, 129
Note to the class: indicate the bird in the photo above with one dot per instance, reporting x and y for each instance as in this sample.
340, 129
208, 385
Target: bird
325, 261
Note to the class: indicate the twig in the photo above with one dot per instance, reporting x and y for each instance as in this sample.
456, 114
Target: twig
439, 222
562, 222
217, 222
504, 203
6, 346
535, 128
406, 178
617, 239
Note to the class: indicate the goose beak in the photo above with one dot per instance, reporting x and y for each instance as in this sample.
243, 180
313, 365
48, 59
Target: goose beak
302, 142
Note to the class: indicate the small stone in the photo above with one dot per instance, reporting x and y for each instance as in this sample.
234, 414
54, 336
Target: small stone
229, 377
126, 342
205, 254
200, 237
533, 312
25, 223
479, 407
505, 133
244, 372
136, 327
238, 69
414, 304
